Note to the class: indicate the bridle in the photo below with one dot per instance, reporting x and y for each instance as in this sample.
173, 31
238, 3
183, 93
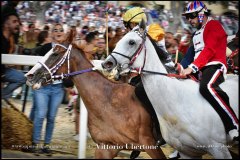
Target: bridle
53, 70
133, 58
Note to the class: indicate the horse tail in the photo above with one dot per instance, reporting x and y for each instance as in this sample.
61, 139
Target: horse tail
135, 154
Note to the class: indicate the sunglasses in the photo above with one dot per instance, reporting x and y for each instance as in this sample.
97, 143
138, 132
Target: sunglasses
58, 30
191, 15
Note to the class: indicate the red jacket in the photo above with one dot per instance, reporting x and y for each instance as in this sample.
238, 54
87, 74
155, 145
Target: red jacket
210, 43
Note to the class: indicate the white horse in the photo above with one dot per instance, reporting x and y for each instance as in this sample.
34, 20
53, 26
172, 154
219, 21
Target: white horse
188, 122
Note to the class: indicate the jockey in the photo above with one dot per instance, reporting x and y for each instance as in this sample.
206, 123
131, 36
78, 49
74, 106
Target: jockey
210, 42
132, 18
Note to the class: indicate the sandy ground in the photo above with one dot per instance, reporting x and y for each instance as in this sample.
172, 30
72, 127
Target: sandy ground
63, 144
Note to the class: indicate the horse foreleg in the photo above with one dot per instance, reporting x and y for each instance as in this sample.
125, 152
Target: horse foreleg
105, 153
152, 150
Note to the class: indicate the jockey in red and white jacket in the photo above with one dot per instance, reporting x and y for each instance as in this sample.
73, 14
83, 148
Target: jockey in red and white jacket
210, 43
209, 48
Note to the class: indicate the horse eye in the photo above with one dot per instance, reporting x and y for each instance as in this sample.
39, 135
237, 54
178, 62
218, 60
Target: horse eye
131, 42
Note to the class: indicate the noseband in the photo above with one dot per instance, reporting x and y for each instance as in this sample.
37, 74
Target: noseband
53, 70
135, 55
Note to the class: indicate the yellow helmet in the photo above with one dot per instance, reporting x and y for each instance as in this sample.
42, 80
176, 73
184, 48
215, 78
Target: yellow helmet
135, 14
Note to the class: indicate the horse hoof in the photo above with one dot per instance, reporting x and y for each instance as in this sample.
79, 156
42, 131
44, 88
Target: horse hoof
174, 155
134, 154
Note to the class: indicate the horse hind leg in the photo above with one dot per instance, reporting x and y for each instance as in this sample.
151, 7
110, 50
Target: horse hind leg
149, 145
135, 154
106, 153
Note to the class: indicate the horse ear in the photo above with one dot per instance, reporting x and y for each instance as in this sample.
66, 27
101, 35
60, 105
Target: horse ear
142, 24
142, 27
70, 36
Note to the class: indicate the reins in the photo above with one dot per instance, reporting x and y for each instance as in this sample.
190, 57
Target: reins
62, 76
159, 73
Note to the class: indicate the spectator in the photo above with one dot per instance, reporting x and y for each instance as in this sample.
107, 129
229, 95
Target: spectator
185, 41
110, 35
174, 50
10, 27
169, 38
46, 101
89, 46
29, 39
10, 7
113, 41
178, 37
43, 38
171, 44
101, 53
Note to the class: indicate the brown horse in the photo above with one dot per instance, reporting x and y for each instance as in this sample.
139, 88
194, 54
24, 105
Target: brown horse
116, 118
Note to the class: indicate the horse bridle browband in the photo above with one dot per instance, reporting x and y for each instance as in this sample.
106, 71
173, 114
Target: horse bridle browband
136, 54
52, 70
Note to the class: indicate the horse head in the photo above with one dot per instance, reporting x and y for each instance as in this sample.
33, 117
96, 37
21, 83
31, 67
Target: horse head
52, 66
129, 53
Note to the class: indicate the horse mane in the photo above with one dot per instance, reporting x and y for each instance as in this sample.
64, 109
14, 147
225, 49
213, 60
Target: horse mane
162, 55
71, 36
70, 40
159, 51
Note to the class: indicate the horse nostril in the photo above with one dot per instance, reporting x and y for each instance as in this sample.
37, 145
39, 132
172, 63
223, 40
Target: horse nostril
109, 64
30, 76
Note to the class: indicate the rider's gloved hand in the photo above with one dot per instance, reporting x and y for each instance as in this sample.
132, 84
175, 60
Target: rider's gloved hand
178, 68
